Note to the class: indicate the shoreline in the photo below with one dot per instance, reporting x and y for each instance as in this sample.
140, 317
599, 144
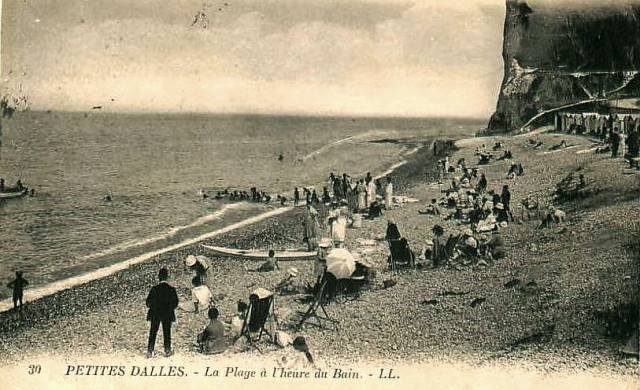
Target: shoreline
392, 323
34, 294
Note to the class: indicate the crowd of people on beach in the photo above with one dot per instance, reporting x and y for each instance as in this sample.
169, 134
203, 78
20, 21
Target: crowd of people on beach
620, 134
326, 220
469, 200
472, 204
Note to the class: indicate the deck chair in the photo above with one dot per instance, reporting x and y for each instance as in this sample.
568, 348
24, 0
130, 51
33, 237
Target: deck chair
401, 255
324, 292
261, 309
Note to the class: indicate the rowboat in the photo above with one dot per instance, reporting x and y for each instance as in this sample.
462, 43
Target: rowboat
285, 255
13, 194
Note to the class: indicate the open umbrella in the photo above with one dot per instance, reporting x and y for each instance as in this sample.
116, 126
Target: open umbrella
339, 255
342, 270
340, 263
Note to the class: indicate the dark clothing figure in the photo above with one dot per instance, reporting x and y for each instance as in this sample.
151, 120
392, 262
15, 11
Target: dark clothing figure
439, 254
392, 232
162, 302
482, 184
211, 340
345, 185
633, 144
495, 199
502, 216
615, 144
296, 196
506, 198
495, 247
375, 210
18, 285
337, 189
326, 198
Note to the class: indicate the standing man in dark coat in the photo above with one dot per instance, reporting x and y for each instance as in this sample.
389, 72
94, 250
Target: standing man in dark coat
615, 143
505, 198
162, 301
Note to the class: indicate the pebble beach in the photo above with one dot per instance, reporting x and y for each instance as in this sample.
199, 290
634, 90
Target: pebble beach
582, 271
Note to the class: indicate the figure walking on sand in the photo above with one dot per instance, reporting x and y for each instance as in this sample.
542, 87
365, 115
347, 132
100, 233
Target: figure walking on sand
388, 194
361, 193
311, 227
338, 221
18, 285
371, 192
162, 302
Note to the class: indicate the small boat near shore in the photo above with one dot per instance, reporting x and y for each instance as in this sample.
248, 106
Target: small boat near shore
258, 254
13, 194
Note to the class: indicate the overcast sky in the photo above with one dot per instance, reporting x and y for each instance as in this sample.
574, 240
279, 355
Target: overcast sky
369, 57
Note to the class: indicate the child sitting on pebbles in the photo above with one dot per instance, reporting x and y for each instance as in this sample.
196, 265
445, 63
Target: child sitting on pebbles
271, 264
212, 340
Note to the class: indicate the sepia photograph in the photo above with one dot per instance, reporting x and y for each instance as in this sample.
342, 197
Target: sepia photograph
320, 193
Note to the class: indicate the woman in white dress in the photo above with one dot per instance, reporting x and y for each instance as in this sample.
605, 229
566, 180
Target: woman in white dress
338, 219
371, 192
388, 194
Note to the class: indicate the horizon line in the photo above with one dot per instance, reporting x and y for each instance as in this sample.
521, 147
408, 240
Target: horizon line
249, 113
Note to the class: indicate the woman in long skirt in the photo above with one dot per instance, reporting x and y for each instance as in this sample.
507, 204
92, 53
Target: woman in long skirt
362, 196
311, 227
371, 193
388, 194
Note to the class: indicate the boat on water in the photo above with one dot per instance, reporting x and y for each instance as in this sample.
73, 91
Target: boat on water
285, 255
13, 194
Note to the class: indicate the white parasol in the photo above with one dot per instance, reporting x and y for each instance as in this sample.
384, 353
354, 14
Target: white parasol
341, 263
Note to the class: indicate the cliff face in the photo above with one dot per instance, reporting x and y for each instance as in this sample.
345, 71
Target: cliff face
557, 53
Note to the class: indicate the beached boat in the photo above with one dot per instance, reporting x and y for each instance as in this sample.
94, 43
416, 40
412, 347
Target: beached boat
258, 254
13, 194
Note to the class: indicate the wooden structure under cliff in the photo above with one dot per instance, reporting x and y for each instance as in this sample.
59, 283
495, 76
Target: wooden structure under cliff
561, 56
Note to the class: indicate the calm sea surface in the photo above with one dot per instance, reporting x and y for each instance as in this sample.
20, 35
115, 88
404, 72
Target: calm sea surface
154, 166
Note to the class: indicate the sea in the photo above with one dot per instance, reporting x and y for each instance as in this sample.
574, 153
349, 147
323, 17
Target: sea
155, 167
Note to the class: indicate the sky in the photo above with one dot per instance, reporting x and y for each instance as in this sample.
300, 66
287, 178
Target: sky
320, 57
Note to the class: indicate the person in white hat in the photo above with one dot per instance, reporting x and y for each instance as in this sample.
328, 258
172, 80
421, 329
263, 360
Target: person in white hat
288, 285
199, 265
320, 262
338, 221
